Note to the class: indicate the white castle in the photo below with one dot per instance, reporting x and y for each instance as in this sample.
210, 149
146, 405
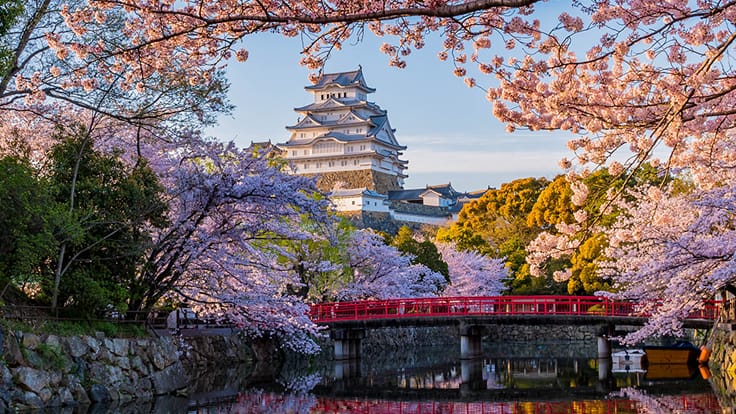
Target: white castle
348, 143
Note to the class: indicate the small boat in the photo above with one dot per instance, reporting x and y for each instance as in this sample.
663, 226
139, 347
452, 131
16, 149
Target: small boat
682, 352
629, 360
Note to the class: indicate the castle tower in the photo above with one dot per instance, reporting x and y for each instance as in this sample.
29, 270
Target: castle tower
344, 138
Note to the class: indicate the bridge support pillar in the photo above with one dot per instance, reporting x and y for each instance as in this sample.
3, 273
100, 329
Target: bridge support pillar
470, 342
347, 343
604, 347
604, 359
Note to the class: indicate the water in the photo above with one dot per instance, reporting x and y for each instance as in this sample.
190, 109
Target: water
508, 378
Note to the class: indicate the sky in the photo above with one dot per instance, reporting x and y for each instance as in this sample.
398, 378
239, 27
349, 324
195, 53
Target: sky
448, 128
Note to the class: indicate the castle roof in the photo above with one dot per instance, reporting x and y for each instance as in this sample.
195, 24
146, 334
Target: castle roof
343, 80
339, 103
340, 137
445, 190
349, 118
351, 192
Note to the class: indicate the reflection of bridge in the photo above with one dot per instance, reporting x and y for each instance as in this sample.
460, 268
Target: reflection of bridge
348, 320
692, 403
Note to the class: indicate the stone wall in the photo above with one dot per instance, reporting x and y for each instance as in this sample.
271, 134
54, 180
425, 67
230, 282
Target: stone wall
372, 180
47, 370
722, 365
377, 341
420, 209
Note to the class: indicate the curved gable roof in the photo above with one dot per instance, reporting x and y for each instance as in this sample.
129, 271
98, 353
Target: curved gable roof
342, 79
307, 122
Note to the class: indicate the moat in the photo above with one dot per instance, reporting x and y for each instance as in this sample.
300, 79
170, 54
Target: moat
509, 377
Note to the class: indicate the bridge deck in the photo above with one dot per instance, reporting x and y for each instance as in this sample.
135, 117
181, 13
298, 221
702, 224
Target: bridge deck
561, 310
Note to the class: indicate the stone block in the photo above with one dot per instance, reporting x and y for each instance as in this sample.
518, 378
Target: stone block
98, 393
31, 379
77, 347
171, 379
120, 347
31, 341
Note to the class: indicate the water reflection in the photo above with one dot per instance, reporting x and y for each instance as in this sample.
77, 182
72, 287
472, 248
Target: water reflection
435, 380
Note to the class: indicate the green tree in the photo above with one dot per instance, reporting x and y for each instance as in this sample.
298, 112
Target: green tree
10, 11
423, 252
102, 237
497, 225
26, 219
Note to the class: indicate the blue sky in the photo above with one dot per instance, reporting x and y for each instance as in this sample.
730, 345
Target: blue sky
448, 128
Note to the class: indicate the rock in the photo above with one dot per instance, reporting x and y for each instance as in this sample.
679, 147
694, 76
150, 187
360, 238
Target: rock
66, 397
104, 355
31, 379
77, 347
159, 361
137, 364
103, 373
45, 394
79, 393
31, 341
13, 355
99, 394
55, 378
53, 341
144, 388
31, 400
120, 347
93, 344
123, 362
34, 359
171, 379
6, 377
4, 396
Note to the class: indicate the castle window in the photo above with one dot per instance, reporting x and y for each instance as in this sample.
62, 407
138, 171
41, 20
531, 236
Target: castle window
306, 166
355, 162
326, 147
293, 153
362, 147
343, 163
304, 152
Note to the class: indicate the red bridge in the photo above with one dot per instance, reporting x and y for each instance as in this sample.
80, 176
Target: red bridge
497, 306
348, 320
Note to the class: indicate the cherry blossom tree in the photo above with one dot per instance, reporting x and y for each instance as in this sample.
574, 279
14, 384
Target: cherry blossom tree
646, 81
226, 205
672, 252
472, 273
380, 271
654, 74
49, 68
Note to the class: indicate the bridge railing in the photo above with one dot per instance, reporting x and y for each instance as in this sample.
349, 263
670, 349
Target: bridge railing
487, 306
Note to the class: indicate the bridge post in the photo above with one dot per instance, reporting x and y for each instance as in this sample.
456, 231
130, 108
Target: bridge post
471, 376
470, 341
604, 347
604, 354
347, 342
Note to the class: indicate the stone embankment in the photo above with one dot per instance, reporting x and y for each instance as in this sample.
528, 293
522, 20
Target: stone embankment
722, 364
48, 371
